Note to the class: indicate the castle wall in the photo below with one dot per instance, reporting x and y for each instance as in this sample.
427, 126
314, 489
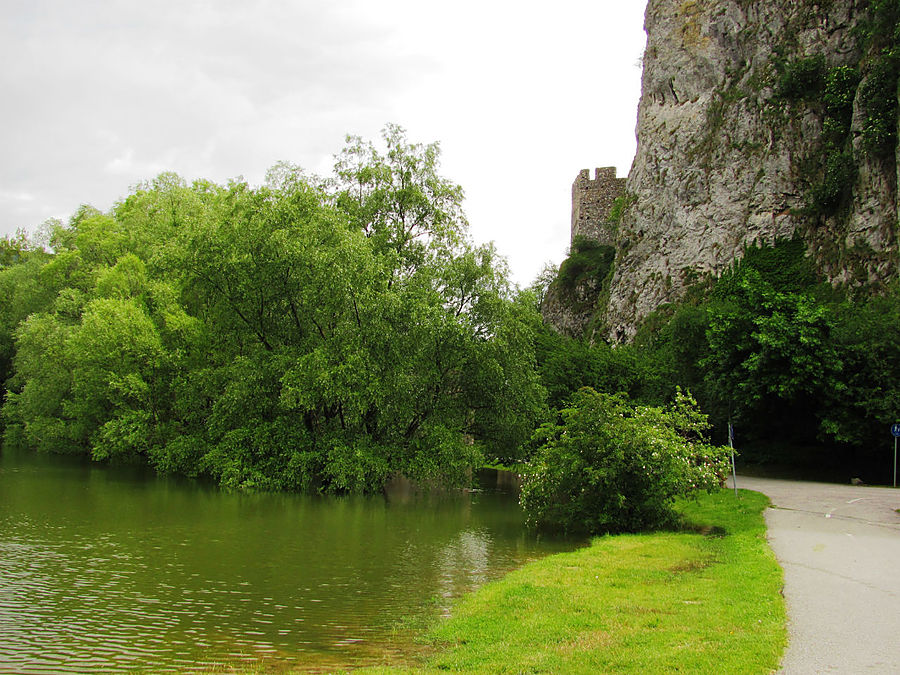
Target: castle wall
591, 201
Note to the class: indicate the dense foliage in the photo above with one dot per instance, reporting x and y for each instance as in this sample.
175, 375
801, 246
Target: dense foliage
587, 260
608, 466
795, 363
806, 372
328, 334
302, 334
878, 94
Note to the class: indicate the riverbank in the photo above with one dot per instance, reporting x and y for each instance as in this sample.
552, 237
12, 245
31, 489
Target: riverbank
705, 599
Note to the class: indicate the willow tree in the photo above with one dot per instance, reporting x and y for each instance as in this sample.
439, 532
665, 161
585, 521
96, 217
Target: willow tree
300, 334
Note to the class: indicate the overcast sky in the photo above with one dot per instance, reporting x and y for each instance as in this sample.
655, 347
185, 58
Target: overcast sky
98, 95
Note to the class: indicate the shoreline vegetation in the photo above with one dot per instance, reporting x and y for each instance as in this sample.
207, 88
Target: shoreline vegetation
705, 598
310, 334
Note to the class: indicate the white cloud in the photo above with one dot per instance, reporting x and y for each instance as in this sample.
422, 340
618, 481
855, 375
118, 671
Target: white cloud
99, 96
16, 197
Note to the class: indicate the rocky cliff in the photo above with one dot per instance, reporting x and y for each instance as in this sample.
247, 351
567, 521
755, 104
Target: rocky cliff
758, 120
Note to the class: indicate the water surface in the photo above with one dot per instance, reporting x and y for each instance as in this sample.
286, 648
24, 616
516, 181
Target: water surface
112, 568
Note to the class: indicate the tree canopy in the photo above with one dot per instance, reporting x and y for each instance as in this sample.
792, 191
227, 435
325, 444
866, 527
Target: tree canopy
305, 333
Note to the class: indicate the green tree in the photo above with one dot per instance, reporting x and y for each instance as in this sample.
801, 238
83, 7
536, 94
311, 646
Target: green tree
14, 249
858, 414
117, 401
33, 411
411, 214
772, 357
23, 293
566, 365
608, 466
298, 335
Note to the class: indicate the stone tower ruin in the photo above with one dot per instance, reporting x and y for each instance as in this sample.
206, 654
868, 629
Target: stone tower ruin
591, 201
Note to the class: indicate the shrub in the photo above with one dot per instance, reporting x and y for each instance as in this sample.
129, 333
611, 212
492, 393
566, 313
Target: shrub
802, 79
588, 259
878, 99
836, 188
840, 89
620, 205
608, 466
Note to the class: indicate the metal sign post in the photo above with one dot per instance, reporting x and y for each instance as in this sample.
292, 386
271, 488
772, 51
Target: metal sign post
731, 445
895, 432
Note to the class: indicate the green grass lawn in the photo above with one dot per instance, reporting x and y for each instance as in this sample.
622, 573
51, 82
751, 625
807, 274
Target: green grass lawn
703, 600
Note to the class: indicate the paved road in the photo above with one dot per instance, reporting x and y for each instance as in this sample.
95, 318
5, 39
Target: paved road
839, 546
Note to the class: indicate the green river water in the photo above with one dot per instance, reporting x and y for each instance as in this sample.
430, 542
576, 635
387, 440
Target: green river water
113, 569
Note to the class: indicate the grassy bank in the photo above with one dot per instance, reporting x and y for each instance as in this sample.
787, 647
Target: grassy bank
703, 600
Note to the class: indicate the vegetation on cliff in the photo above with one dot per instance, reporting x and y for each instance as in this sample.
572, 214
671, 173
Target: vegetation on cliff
868, 82
804, 370
587, 261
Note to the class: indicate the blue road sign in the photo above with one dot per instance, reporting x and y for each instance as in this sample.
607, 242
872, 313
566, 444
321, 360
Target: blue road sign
895, 430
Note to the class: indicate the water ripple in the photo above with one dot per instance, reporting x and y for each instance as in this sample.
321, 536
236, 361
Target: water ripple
102, 574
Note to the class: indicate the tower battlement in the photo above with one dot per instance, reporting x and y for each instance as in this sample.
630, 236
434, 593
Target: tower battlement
592, 198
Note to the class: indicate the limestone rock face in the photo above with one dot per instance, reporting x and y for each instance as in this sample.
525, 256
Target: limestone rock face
723, 161
571, 311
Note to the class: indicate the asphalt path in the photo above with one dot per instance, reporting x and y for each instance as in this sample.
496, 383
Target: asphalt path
839, 546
